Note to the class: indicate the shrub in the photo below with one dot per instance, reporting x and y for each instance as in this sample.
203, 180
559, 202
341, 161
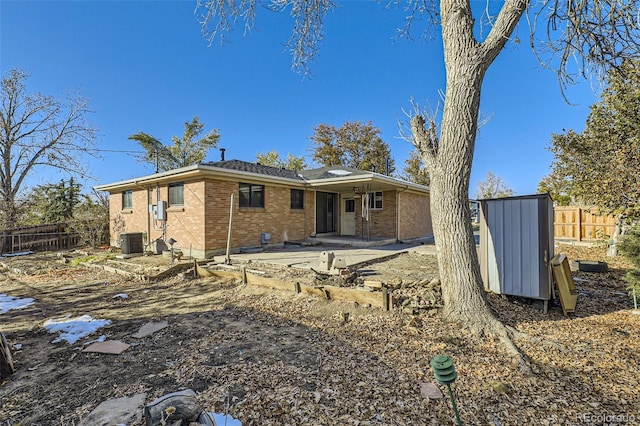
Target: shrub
91, 223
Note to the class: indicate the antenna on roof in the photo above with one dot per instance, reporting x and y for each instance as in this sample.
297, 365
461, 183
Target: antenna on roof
222, 150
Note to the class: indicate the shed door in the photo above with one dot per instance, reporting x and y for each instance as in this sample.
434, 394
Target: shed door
517, 243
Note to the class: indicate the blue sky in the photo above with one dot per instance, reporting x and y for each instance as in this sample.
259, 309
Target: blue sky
146, 67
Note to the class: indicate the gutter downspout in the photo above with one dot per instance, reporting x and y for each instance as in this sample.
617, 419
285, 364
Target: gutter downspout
147, 189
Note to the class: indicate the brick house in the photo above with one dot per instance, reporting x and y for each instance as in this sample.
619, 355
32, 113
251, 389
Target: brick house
271, 206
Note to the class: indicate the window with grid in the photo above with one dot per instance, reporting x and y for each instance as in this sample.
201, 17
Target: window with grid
297, 199
127, 200
375, 200
251, 195
176, 194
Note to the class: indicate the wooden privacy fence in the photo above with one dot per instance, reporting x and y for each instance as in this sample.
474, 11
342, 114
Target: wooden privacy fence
581, 224
38, 238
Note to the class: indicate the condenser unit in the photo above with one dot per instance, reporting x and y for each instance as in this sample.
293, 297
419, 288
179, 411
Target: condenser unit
131, 242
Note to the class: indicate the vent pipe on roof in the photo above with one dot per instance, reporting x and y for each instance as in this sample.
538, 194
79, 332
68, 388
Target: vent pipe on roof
222, 150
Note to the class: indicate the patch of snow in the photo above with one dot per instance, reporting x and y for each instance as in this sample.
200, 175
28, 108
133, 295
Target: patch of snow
121, 296
225, 419
9, 302
74, 329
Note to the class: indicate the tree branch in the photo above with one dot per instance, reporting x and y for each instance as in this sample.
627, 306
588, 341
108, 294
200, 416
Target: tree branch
507, 20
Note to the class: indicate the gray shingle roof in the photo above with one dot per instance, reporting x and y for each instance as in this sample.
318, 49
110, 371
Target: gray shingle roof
245, 166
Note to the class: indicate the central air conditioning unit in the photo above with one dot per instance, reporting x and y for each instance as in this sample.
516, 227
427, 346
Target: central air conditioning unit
131, 243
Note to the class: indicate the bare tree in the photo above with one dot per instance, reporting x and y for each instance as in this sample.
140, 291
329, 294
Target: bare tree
37, 131
597, 34
493, 187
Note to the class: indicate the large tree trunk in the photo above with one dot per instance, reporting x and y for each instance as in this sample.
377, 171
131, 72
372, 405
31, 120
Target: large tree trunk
449, 160
463, 293
466, 65
618, 233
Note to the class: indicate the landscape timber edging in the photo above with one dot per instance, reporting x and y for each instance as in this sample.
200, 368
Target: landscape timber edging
376, 299
142, 277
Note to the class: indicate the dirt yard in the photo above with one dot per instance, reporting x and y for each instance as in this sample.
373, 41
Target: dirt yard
277, 358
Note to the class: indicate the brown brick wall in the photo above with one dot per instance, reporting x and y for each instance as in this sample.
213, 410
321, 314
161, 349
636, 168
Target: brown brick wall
133, 220
310, 213
200, 225
276, 218
205, 234
186, 223
415, 216
382, 222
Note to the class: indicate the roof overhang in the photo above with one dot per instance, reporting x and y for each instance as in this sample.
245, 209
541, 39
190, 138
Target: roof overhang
364, 182
195, 172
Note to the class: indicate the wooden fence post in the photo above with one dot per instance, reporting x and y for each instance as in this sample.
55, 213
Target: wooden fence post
579, 224
385, 299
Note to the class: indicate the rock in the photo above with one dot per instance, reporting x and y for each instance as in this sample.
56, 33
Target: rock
150, 328
395, 282
434, 283
114, 347
498, 386
424, 282
372, 284
430, 391
125, 410
183, 406
351, 278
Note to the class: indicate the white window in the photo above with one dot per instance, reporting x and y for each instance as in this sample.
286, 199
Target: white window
375, 200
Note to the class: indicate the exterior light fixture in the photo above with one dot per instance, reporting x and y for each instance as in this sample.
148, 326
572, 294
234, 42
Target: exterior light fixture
445, 373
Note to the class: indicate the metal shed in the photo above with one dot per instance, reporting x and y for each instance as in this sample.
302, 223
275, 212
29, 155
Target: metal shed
516, 245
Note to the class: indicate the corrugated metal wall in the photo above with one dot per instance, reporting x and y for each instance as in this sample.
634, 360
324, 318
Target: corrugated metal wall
516, 244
